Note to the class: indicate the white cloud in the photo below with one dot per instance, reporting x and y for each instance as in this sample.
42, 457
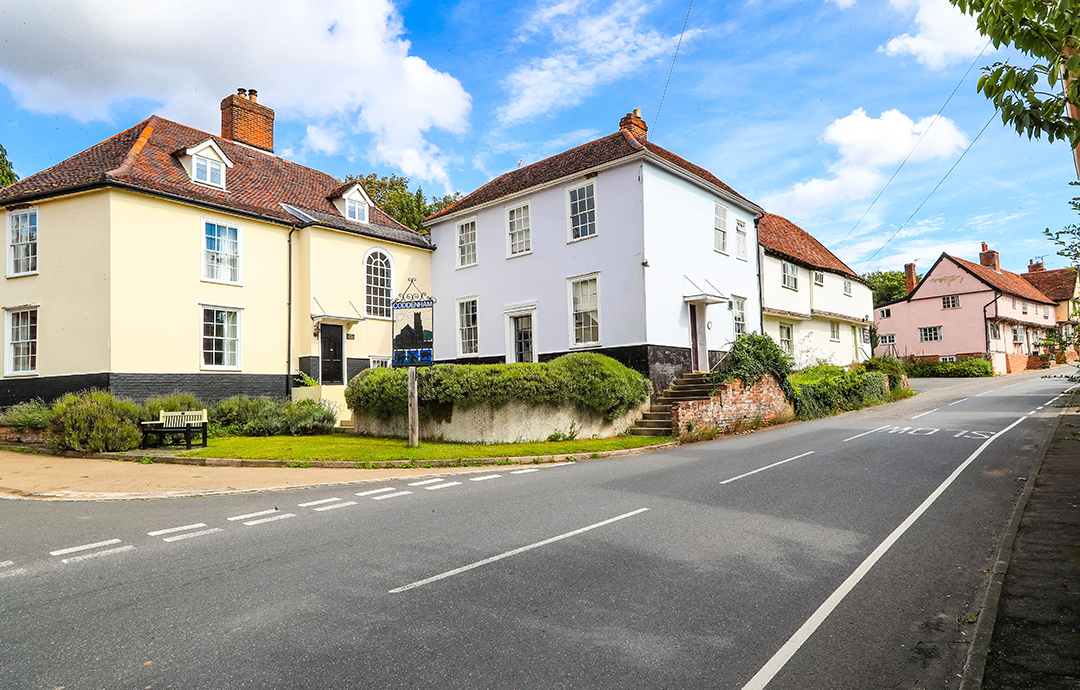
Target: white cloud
339, 63
944, 34
589, 49
843, 4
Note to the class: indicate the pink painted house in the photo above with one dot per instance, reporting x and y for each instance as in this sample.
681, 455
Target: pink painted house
963, 309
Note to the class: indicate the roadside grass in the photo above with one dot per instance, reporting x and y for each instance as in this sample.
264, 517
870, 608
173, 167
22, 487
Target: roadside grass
363, 450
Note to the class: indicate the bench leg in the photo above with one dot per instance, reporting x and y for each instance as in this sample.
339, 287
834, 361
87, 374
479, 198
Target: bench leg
187, 437
204, 435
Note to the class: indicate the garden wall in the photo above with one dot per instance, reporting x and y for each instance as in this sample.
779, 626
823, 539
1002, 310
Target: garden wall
730, 404
507, 424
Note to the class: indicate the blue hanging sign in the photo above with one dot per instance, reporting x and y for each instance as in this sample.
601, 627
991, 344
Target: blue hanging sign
413, 313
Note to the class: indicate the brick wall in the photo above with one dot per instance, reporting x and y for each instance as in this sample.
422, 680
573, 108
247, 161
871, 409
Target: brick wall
247, 122
730, 404
12, 434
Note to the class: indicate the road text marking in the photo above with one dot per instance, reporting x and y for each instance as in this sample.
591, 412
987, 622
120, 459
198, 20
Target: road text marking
159, 532
317, 503
251, 515
762, 469
189, 535
84, 547
867, 433
106, 552
270, 519
376, 491
397, 493
337, 505
784, 654
514, 552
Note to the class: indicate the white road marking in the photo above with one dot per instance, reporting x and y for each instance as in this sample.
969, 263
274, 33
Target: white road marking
95, 554
84, 547
397, 493
6, 564
560, 464
958, 401
159, 532
926, 413
525, 471
1052, 401
426, 481
762, 469
251, 515
270, 519
376, 491
317, 503
337, 505
784, 654
485, 477
866, 433
11, 573
189, 535
1009, 386
1033, 412
442, 486
507, 554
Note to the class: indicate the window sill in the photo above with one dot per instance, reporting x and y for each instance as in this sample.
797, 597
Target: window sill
212, 368
742, 258
788, 287
720, 251
20, 374
22, 275
514, 256
585, 346
210, 185
378, 318
223, 282
466, 266
575, 240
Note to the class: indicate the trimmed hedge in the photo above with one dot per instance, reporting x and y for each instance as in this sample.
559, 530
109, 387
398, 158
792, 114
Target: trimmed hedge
588, 380
970, 367
823, 394
750, 358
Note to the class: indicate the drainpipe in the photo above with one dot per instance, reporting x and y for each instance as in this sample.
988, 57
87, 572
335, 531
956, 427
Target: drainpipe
288, 321
986, 325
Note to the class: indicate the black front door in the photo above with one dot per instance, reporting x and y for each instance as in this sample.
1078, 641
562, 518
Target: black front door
331, 355
523, 340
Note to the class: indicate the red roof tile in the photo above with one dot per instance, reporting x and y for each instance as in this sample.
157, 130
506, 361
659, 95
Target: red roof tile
143, 158
1006, 282
780, 236
1057, 284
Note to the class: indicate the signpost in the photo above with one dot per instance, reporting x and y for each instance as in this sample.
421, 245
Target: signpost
413, 313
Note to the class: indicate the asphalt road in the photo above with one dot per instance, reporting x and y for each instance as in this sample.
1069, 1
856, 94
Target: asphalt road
845, 553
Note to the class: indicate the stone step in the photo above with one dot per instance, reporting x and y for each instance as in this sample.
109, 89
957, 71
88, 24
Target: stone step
656, 416
684, 393
638, 431
653, 424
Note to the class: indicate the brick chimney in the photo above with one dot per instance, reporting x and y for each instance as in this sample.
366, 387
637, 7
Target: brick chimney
245, 121
989, 258
1033, 266
633, 124
909, 277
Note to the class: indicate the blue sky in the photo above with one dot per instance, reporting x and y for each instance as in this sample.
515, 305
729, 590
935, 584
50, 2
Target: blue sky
806, 108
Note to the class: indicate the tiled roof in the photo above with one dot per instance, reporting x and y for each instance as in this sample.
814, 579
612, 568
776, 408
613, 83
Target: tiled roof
597, 152
781, 236
143, 158
1006, 282
1057, 284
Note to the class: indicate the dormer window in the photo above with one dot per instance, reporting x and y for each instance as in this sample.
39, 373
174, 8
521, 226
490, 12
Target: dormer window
206, 163
356, 210
209, 171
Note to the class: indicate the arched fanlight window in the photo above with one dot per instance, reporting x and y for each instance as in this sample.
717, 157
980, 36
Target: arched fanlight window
378, 282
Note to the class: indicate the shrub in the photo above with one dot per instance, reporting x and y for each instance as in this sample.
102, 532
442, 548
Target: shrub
174, 402
95, 421
890, 365
819, 395
244, 416
32, 414
750, 358
969, 367
309, 417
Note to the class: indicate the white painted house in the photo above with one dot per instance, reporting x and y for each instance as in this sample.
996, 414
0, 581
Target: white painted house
617, 246
816, 307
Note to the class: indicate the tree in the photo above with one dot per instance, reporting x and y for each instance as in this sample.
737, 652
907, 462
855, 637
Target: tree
888, 286
1047, 32
392, 195
7, 175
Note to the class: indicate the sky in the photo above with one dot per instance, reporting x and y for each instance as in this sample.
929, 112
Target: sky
806, 108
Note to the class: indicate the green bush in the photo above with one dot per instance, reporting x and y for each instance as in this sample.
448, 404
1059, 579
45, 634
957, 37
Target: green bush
174, 402
244, 416
591, 381
309, 417
890, 365
95, 421
969, 367
32, 414
750, 358
821, 394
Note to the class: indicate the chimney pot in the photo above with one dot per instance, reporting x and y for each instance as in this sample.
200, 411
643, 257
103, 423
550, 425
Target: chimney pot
1034, 266
909, 277
253, 95
984, 246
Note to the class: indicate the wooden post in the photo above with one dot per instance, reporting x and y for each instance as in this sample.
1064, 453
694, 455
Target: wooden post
414, 411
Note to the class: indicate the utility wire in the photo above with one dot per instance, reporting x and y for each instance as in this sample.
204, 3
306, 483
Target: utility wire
921, 136
931, 191
672, 69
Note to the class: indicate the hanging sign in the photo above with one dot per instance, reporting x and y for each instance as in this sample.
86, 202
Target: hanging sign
413, 313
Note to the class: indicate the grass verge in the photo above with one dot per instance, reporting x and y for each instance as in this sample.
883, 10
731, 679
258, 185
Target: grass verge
363, 449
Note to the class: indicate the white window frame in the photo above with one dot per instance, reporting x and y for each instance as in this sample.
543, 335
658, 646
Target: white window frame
212, 166
239, 311
1018, 335
31, 243
995, 332
950, 302
389, 298
1046, 312
720, 223
570, 215
524, 229
10, 343
572, 325
466, 249
378, 362
819, 277
462, 327
886, 339
206, 253
834, 331
1024, 307
789, 275
931, 334
787, 345
510, 312
355, 208
738, 315
947, 358
885, 313
740, 240
847, 287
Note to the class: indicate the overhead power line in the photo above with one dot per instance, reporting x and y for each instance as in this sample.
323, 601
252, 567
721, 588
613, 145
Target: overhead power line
672, 69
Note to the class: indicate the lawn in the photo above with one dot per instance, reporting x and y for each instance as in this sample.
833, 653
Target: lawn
365, 450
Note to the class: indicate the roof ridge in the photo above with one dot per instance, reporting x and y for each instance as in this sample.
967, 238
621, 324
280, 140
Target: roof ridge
136, 148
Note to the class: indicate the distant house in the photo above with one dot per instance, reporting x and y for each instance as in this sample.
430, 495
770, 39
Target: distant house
814, 306
963, 309
617, 246
1062, 286
166, 258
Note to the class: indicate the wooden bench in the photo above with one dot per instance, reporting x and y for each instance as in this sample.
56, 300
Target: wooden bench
186, 423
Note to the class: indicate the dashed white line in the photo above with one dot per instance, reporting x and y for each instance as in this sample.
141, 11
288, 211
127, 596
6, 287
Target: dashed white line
189, 535
95, 554
6, 564
376, 491
337, 505
762, 469
251, 515
926, 413
270, 519
955, 402
525, 471
84, 547
397, 493
866, 433
484, 478
159, 532
514, 552
442, 486
426, 481
317, 503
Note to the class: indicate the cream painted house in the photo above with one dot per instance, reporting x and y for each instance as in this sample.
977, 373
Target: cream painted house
166, 258
813, 305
